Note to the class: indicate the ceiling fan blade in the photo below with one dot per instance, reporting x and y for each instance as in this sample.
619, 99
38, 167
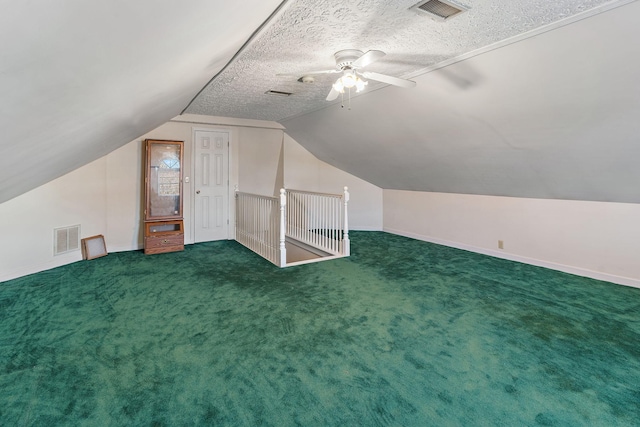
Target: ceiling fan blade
395, 81
308, 73
333, 94
368, 58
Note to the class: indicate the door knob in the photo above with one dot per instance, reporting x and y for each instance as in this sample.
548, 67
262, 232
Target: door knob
197, 191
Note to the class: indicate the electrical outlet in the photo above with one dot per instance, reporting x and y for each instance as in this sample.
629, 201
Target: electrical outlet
500, 244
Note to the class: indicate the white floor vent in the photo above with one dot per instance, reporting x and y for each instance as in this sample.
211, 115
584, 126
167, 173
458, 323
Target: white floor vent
440, 10
66, 239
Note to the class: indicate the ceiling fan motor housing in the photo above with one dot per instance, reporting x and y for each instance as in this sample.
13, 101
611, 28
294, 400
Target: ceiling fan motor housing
345, 58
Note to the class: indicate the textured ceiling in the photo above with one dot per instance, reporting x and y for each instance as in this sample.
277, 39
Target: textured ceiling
74, 88
306, 34
553, 116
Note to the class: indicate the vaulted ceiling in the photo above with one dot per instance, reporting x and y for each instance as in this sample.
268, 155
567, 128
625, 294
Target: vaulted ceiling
78, 79
553, 116
524, 98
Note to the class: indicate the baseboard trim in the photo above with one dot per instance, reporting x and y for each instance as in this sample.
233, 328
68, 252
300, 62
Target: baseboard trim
32, 269
114, 249
578, 271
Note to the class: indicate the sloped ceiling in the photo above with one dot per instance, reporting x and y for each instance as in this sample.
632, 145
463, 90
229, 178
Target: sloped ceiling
513, 98
550, 114
79, 79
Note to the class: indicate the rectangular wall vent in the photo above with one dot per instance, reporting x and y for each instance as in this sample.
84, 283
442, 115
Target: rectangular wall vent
66, 239
440, 10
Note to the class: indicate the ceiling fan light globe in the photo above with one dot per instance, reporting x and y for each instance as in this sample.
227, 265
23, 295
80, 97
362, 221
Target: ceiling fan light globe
360, 84
338, 86
349, 80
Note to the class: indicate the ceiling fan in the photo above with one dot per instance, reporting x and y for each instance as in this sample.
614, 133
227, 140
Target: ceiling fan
350, 62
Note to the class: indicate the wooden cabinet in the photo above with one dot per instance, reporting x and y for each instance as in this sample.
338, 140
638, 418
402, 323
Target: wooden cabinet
163, 236
163, 223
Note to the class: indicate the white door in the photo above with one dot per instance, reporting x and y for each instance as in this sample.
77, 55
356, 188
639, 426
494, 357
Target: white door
211, 185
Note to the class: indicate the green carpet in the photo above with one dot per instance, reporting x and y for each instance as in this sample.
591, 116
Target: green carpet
402, 333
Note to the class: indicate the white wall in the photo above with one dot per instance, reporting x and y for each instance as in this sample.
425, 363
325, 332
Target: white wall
259, 158
124, 197
304, 171
28, 220
594, 239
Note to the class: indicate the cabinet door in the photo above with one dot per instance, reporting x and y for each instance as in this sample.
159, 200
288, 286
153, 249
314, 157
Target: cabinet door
163, 180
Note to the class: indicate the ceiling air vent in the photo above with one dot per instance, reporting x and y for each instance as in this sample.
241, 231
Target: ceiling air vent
440, 10
278, 93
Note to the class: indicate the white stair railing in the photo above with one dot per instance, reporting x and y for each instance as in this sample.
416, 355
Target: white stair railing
316, 219
346, 243
260, 226
319, 220
283, 227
